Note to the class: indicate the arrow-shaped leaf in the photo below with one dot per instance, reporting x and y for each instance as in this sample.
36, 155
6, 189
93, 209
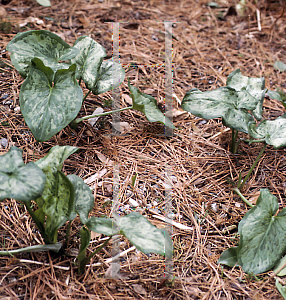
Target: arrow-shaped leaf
262, 235
49, 102
57, 202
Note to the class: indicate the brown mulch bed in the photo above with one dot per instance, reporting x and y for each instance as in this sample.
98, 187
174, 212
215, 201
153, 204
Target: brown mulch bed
208, 44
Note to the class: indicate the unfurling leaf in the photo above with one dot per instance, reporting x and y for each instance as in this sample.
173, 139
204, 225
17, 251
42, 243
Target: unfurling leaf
57, 202
84, 243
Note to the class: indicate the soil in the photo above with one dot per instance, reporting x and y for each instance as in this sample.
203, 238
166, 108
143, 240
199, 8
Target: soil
209, 42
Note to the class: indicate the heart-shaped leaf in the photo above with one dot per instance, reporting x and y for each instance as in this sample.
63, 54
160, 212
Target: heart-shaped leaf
229, 257
84, 200
43, 44
254, 86
272, 131
148, 106
105, 226
262, 235
110, 76
225, 102
88, 60
145, 236
17, 180
49, 102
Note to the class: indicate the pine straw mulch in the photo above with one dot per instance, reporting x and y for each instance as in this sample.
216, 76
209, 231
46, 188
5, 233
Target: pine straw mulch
208, 44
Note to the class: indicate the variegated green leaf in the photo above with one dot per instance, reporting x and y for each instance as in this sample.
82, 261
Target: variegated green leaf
145, 236
57, 201
262, 235
110, 76
224, 102
88, 60
254, 86
281, 288
229, 257
43, 44
148, 106
84, 243
49, 102
272, 131
84, 200
17, 180
105, 226
55, 158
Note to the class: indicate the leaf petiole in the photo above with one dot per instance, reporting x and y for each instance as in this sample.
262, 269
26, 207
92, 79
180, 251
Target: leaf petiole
236, 190
101, 115
252, 167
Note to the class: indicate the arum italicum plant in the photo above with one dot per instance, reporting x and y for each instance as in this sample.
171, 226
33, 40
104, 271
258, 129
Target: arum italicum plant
239, 104
60, 198
51, 96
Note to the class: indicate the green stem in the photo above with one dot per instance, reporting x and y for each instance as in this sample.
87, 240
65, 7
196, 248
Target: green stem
98, 249
84, 98
68, 234
38, 223
234, 143
101, 115
253, 141
83, 262
236, 190
252, 167
37, 248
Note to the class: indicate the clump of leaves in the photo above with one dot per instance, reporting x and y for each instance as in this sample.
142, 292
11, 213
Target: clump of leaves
238, 103
51, 96
61, 198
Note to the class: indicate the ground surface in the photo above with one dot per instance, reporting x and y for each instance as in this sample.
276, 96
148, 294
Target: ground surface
208, 44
